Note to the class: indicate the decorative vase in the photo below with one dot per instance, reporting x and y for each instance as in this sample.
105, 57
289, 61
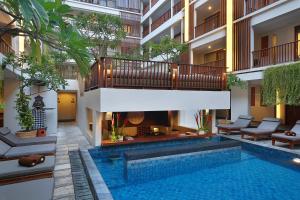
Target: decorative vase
120, 138
201, 132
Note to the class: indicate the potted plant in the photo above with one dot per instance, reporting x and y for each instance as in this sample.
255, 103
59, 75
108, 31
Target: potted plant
203, 120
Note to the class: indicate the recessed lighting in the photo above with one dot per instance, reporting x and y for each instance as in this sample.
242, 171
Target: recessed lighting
209, 7
209, 46
296, 160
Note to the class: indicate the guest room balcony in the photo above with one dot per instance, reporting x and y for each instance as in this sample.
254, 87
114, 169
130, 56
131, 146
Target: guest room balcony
284, 53
5, 47
254, 5
137, 74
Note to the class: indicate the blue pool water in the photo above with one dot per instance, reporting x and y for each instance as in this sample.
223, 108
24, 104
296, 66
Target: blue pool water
259, 174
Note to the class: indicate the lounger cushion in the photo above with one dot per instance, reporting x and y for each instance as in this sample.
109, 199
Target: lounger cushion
11, 168
269, 124
256, 131
31, 149
41, 189
3, 148
283, 136
4, 131
242, 122
14, 141
296, 128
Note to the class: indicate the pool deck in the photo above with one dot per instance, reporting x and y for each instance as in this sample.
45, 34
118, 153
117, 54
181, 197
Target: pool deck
266, 143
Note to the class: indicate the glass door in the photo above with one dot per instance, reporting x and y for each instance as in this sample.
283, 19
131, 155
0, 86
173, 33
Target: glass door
297, 43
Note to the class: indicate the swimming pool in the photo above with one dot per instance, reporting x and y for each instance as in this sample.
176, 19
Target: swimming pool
259, 173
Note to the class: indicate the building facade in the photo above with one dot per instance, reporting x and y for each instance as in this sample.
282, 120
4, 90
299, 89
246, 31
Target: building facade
244, 37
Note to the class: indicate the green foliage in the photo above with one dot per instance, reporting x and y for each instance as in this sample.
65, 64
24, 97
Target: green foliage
135, 54
234, 81
24, 117
282, 85
33, 72
168, 49
101, 32
48, 23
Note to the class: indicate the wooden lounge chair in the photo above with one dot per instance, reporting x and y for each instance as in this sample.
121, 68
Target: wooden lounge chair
292, 140
34, 183
8, 152
243, 121
14, 141
264, 130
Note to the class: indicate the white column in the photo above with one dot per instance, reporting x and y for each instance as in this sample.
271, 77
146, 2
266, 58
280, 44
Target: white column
172, 10
251, 46
150, 24
214, 122
191, 53
239, 102
97, 127
181, 30
172, 32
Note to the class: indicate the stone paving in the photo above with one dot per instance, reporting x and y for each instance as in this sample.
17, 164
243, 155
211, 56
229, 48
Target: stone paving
69, 138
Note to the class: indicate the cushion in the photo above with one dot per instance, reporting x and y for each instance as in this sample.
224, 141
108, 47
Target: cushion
14, 141
256, 131
4, 131
3, 148
11, 168
269, 124
296, 129
249, 117
31, 149
41, 189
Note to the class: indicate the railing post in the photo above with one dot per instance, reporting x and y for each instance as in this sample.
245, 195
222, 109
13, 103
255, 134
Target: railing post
100, 70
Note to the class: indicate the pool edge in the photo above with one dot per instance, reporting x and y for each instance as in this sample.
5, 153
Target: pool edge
97, 183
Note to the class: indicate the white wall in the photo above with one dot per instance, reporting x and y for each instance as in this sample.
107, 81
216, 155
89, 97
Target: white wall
123, 100
239, 102
10, 92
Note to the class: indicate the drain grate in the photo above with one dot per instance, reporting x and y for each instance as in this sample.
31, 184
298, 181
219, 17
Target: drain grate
81, 185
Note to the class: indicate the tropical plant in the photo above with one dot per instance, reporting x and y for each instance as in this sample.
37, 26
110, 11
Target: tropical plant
282, 85
101, 31
234, 81
30, 73
45, 23
203, 120
168, 49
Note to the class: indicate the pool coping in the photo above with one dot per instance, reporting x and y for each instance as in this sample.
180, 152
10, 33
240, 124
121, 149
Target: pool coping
98, 186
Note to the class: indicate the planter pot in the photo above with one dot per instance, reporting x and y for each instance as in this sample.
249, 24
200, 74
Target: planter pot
201, 132
26, 134
121, 138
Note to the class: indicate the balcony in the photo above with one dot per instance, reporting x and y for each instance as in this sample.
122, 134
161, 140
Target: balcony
288, 52
145, 9
254, 5
153, 2
5, 48
145, 31
208, 25
137, 74
162, 19
132, 6
178, 7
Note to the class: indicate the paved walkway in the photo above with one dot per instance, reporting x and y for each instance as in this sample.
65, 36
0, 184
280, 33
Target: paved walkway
69, 138
268, 143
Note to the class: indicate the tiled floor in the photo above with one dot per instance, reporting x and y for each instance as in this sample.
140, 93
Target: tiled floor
69, 137
268, 143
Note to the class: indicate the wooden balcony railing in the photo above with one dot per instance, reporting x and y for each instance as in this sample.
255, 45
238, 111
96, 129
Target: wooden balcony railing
5, 48
253, 5
178, 7
153, 2
145, 9
122, 73
161, 20
145, 31
112, 4
208, 25
288, 52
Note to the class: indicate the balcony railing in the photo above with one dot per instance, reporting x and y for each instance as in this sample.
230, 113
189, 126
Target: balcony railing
210, 24
153, 2
178, 7
161, 20
112, 4
145, 31
145, 9
5, 48
122, 73
288, 52
254, 5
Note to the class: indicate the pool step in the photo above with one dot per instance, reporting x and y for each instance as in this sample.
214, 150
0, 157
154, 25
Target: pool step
164, 162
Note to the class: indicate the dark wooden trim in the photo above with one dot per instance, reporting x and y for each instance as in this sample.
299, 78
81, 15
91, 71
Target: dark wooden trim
238, 9
19, 179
